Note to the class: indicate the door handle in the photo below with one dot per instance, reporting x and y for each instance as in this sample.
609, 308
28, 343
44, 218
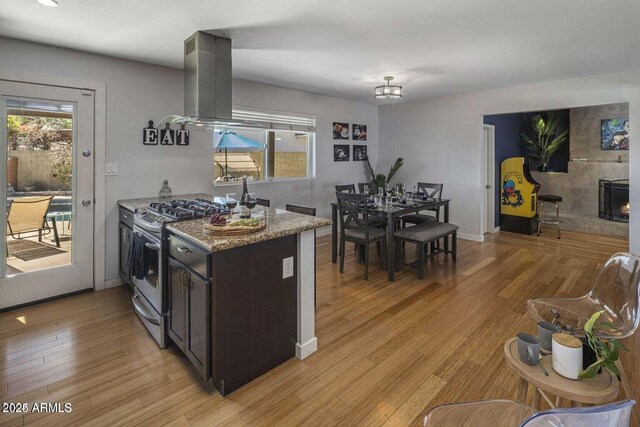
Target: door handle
86, 153
142, 312
487, 186
86, 202
152, 246
183, 250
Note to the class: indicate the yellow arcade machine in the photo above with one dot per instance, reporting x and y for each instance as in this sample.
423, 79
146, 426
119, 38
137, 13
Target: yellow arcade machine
518, 197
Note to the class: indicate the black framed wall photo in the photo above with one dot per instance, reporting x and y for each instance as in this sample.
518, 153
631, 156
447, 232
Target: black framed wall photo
340, 130
359, 132
341, 153
359, 153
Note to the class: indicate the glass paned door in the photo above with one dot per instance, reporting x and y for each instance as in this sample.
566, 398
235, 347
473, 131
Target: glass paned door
47, 171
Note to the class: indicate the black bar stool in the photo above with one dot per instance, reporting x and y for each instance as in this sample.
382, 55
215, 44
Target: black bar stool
549, 198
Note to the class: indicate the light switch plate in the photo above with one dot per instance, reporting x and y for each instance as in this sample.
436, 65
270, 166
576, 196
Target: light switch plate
287, 267
111, 169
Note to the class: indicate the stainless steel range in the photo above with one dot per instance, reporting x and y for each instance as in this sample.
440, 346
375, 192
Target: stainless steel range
147, 257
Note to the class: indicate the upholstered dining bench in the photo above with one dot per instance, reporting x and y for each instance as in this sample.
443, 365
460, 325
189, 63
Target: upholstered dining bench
423, 234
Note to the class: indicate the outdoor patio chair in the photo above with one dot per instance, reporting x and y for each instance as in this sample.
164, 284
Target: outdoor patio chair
29, 215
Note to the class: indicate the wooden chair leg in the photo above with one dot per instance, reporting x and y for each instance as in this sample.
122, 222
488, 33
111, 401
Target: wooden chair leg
378, 248
536, 399
384, 254
420, 261
522, 391
366, 262
342, 255
398, 256
454, 246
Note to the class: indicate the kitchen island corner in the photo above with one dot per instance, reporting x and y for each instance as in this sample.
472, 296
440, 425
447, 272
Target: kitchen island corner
258, 314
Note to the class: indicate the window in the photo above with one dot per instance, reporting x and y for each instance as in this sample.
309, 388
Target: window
288, 154
276, 146
235, 156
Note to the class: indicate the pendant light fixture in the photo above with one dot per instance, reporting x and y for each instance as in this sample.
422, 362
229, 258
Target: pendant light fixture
389, 91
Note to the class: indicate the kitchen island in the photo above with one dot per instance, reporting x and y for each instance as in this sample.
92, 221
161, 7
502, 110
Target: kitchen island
239, 306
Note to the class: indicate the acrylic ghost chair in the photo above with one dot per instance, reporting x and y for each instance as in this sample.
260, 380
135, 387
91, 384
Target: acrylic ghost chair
497, 413
616, 291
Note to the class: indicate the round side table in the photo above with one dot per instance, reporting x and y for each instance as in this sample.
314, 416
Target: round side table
601, 389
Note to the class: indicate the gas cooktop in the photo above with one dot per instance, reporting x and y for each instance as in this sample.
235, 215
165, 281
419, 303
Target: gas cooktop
158, 213
187, 209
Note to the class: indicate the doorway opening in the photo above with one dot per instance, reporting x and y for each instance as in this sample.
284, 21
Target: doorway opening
596, 150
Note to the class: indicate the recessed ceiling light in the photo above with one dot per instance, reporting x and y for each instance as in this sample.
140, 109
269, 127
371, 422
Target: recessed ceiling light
50, 3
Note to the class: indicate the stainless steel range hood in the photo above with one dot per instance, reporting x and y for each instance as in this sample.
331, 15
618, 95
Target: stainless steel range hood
207, 80
207, 77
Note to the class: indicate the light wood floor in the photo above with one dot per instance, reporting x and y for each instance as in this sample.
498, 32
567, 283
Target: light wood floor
388, 351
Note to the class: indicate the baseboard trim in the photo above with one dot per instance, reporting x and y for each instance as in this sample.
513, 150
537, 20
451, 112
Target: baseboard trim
41, 301
113, 283
472, 237
307, 348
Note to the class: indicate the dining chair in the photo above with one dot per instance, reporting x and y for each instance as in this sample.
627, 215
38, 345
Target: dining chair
375, 220
304, 210
498, 413
263, 202
29, 215
616, 291
354, 227
364, 188
432, 191
346, 188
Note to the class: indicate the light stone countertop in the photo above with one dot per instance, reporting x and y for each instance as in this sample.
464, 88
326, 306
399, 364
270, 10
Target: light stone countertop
279, 224
133, 204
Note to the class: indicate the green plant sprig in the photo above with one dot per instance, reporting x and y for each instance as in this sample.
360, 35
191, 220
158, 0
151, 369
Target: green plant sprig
607, 351
379, 180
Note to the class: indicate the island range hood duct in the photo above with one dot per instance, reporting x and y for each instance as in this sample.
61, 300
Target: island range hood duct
207, 81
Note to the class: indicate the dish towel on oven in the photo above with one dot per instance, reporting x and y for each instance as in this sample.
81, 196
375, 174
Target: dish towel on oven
136, 259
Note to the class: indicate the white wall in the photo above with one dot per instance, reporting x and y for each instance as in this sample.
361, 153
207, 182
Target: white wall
441, 138
137, 92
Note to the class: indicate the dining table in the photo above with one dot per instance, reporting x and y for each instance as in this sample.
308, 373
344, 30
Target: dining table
392, 212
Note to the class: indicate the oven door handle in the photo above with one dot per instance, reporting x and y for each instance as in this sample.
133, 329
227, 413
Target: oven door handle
152, 246
142, 312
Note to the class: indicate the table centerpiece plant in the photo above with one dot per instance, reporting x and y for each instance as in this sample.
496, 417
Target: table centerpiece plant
380, 180
607, 351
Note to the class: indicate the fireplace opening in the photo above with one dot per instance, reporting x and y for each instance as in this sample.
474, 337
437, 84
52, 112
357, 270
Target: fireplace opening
614, 200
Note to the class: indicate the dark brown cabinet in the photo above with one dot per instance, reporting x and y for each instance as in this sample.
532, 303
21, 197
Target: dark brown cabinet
177, 314
198, 316
188, 314
254, 320
241, 322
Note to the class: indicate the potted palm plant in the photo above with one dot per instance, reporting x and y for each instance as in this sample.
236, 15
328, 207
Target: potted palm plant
380, 180
541, 141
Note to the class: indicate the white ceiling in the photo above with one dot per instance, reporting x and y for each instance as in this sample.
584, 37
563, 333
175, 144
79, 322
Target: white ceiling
344, 48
